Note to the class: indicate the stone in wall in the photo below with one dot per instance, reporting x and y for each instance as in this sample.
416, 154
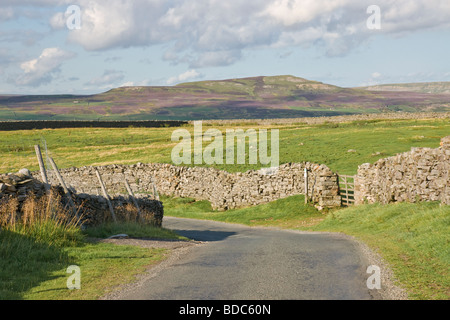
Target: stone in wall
19, 185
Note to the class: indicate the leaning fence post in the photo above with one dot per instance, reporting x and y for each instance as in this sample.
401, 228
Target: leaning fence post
63, 184
37, 148
105, 194
131, 194
155, 192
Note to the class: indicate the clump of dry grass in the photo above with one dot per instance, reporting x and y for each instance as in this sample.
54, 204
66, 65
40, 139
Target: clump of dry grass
8, 212
44, 219
129, 213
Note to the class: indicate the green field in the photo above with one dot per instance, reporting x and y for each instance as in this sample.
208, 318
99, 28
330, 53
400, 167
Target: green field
327, 143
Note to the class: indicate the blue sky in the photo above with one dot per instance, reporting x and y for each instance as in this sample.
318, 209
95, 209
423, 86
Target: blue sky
155, 42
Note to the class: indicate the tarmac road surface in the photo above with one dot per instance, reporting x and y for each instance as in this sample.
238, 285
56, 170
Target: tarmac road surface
236, 262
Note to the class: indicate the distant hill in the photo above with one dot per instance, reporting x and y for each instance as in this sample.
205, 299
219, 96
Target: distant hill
422, 87
245, 98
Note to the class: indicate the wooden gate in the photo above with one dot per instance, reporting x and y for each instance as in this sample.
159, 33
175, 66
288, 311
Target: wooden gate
347, 190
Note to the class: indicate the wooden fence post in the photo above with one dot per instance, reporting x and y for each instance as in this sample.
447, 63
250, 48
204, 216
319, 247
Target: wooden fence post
37, 148
63, 184
155, 192
105, 194
131, 194
306, 185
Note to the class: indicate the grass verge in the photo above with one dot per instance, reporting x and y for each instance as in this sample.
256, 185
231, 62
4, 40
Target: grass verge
132, 229
291, 212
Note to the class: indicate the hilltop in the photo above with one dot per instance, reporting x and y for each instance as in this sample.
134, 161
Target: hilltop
245, 98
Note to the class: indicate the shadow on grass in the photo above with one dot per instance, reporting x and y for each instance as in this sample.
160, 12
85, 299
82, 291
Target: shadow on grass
26, 262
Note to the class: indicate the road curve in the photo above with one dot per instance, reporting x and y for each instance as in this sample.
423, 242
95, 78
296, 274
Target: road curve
236, 262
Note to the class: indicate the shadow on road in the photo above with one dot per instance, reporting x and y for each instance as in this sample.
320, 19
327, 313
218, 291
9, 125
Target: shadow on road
204, 235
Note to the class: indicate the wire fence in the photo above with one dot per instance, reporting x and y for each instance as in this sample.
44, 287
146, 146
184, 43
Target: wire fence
22, 149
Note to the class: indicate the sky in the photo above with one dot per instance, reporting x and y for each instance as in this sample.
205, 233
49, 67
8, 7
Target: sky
91, 46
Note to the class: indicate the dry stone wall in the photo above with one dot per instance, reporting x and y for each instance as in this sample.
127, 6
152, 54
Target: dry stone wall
421, 174
223, 189
338, 119
57, 124
92, 209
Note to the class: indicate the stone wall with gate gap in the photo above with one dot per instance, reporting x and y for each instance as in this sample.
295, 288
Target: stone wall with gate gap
421, 174
223, 189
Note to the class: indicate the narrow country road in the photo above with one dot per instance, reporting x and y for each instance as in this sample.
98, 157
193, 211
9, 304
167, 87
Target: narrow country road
236, 262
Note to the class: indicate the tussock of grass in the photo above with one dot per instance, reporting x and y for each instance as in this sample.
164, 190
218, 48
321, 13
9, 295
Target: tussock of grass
45, 220
33, 242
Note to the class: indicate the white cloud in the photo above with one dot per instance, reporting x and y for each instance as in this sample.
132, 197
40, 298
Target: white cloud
42, 69
375, 78
292, 12
216, 58
188, 75
128, 84
404, 16
116, 23
58, 21
108, 79
141, 83
214, 33
376, 75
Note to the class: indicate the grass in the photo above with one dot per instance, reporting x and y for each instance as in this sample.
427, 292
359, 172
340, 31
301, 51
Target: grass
38, 245
103, 267
412, 238
291, 212
132, 229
